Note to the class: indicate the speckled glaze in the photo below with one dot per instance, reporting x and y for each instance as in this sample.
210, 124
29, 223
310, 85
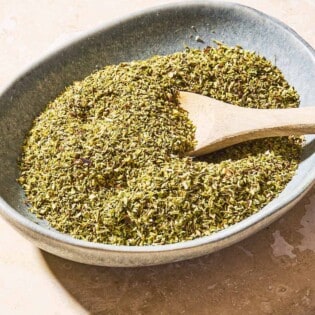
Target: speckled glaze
159, 31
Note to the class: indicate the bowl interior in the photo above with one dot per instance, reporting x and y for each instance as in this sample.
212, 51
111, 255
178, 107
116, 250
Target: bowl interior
161, 31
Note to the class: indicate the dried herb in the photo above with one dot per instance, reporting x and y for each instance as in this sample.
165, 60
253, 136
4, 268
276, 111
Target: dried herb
105, 161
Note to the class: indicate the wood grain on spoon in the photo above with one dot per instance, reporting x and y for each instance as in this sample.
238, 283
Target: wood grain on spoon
219, 125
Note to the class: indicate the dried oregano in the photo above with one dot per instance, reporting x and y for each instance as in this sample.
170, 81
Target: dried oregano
105, 161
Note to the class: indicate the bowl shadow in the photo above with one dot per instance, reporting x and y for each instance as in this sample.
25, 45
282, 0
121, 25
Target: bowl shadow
263, 274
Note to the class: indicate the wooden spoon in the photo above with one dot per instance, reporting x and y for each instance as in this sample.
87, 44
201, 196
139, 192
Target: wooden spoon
219, 125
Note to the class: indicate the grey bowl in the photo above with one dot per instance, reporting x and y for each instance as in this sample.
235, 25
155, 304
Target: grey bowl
161, 30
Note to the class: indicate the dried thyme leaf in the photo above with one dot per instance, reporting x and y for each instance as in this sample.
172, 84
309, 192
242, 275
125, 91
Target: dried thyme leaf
105, 161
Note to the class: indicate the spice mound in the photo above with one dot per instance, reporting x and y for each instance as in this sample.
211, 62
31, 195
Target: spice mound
105, 162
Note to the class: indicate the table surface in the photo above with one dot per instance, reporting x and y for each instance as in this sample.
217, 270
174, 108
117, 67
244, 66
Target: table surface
272, 272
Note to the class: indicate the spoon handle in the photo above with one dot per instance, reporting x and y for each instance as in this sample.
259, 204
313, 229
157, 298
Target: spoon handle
244, 124
280, 122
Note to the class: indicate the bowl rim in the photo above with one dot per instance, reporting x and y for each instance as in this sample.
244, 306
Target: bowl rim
18, 219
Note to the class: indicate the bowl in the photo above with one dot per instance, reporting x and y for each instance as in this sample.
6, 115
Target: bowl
161, 30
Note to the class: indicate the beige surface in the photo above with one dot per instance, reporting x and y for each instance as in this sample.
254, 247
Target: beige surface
272, 272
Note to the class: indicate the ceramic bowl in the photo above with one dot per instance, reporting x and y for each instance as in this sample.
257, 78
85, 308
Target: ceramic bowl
161, 30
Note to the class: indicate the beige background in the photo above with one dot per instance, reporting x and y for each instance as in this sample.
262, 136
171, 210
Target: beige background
272, 272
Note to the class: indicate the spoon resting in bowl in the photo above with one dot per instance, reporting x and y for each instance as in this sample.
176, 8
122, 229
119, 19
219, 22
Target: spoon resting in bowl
219, 124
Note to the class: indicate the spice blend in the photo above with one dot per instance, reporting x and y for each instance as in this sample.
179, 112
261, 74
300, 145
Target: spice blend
105, 162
